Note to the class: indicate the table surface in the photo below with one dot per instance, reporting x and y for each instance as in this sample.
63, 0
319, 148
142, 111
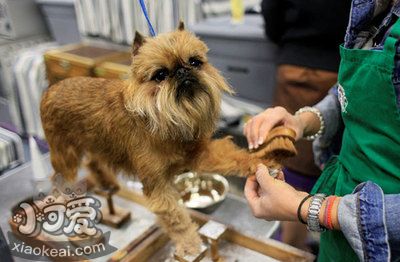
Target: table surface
16, 185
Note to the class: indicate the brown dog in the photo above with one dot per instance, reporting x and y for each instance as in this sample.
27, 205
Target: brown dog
157, 124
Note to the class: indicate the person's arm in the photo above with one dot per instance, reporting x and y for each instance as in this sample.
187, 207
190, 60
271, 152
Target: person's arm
367, 218
273, 199
273, 13
258, 127
370, 221
329, 143
330, 110
304, 124
392, 215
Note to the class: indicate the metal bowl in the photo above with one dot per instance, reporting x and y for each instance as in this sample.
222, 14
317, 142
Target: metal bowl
203, 191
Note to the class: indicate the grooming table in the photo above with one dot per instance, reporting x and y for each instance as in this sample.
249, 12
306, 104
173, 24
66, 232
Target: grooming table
16, 185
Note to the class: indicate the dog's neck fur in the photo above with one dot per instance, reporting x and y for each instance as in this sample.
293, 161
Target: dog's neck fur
160, 126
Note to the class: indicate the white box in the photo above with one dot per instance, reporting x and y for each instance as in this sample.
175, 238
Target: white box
20, 18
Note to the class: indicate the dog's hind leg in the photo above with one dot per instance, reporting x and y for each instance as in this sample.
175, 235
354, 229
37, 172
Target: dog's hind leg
65, 161
163, 201
101, 173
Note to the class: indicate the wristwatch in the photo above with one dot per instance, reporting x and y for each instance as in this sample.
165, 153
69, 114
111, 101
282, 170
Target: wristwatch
313, 213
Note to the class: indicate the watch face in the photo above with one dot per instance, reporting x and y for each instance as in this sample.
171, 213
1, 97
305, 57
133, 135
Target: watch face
313, 213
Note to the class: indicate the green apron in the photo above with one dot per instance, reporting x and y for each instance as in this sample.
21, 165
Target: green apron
371, 139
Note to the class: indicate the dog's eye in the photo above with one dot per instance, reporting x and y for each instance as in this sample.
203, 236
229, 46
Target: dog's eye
160, 75
193, 61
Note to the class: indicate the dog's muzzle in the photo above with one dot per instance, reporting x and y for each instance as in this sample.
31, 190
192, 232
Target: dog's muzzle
186, 83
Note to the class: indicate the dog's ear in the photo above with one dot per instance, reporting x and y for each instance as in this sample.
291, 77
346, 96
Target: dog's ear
181, 25
137, 43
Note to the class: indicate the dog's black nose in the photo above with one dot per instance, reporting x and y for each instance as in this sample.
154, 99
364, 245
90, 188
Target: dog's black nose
187, 83
182, 72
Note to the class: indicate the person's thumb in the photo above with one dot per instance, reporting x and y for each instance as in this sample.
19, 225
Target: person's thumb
262, 176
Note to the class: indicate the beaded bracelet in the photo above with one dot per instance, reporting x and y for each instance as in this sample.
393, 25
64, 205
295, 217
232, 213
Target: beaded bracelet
321, 121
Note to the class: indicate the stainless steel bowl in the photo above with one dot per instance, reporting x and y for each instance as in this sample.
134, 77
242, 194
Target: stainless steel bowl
203, 191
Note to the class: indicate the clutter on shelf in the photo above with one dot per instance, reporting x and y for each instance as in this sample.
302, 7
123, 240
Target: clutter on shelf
118, 20
118, 68
23, 79
77, 60
11, 149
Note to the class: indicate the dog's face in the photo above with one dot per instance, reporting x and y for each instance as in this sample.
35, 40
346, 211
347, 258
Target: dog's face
174, 87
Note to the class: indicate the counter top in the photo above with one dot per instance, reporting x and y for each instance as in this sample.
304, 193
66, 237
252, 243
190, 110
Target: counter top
16, 185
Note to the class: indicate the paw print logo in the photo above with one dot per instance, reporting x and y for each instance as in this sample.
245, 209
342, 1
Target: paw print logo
17, 218
40, 217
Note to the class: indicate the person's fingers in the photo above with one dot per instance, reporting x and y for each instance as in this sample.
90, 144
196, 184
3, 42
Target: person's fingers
260, 191
245, 128
251, 189
248, 133
251, 192
281, 176
263, 177
254, 132
256, 208
265, 127
272, 117
257, 128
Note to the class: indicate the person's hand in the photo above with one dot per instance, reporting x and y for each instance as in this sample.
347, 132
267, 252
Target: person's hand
270, 198
258, 127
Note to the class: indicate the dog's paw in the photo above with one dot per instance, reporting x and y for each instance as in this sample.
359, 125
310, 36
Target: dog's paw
190, 247
249, 167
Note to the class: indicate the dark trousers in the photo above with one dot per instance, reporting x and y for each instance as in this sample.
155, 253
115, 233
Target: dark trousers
298, 87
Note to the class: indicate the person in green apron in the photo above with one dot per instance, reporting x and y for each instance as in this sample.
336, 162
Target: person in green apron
371, 142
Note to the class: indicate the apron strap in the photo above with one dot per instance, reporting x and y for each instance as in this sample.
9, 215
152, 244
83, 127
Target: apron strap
393, 37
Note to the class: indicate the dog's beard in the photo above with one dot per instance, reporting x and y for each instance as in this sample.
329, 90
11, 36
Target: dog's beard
178, 114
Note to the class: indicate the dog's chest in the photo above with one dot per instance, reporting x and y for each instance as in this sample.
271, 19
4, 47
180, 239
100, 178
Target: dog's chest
184, 157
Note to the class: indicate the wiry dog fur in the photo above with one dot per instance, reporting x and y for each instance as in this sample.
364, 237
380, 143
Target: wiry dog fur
155, 129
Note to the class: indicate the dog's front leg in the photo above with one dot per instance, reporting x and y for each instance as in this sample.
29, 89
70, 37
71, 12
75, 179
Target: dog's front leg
224, 157
163, 201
